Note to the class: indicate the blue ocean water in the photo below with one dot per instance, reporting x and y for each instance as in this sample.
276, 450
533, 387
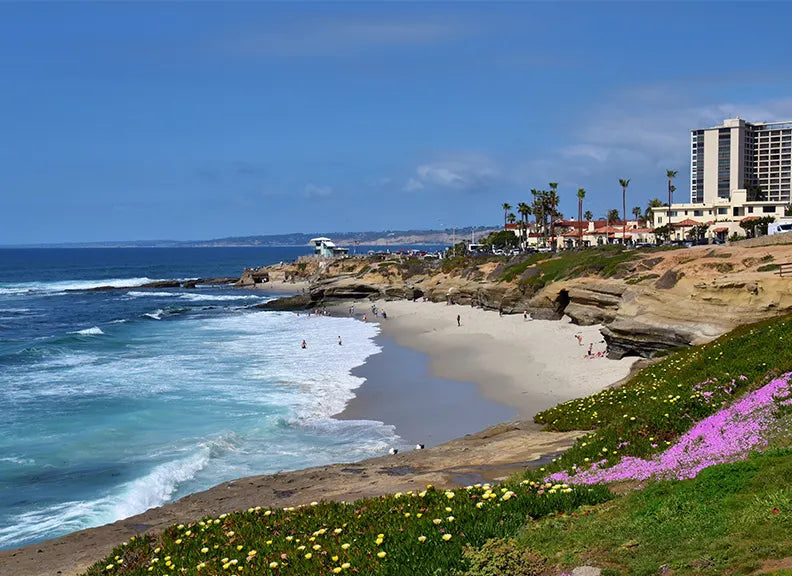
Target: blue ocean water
119, 400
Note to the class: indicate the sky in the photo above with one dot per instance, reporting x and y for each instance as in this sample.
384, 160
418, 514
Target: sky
196, 120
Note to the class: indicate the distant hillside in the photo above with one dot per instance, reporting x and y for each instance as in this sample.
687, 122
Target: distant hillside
383, 238
378, 238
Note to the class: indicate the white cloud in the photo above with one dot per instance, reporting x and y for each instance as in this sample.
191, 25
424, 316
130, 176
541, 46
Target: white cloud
314, 191
412, 185
467, 172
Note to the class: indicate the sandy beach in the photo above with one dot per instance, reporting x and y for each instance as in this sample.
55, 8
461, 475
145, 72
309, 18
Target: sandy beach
430, 388
528, 365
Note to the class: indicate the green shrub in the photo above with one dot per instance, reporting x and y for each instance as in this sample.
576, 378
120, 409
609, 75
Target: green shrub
767, 268
503, 557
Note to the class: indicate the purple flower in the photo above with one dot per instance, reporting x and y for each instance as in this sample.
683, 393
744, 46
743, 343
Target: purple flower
723, 437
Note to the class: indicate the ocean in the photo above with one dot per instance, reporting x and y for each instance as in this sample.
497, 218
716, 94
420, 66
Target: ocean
116, 401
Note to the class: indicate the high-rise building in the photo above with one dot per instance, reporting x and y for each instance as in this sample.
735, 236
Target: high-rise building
741, 155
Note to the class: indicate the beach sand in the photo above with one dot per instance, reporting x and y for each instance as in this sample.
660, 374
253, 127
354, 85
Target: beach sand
401, 391
520, 366
527, 365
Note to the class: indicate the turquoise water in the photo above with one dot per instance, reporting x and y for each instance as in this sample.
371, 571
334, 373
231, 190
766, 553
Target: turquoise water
117, 401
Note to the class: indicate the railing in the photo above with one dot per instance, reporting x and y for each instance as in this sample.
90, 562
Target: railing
785, 268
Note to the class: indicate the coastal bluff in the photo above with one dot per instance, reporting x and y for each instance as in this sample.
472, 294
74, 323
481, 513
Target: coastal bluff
648, 301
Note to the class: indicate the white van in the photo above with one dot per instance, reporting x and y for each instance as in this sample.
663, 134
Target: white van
778, 228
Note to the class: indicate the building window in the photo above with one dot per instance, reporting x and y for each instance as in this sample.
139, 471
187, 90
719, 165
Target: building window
768, 209
698, 213
723, 210
750, 209
659, 219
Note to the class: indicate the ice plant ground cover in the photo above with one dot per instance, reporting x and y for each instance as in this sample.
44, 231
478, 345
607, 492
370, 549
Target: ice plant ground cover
412, 533
730, 519
664, 401
727, 435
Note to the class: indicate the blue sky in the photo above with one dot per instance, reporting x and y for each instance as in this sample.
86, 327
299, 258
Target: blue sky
178, 120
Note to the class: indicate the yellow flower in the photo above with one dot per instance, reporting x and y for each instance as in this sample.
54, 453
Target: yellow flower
345, 545
337, 531
180, 527
479, 504
178, 541
446, 537
317, 546
406, 514
437, 521
252, 553
239, 547
422, 539
109, 566
449, 495
337, 569
381, 554
418, 515
334, 558
378, 541
273, 565
308, 556
448, 509
267, 512
345, 565
450, 518
204, 549
314, 503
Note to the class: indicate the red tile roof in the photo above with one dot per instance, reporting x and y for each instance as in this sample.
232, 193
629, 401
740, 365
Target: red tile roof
749, 218
720, 229
688, 222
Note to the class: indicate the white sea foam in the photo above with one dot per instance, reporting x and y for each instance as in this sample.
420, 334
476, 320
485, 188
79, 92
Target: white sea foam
17, 460
120, 321
156, 315
32, 288
158, 486
197, 297
93, 331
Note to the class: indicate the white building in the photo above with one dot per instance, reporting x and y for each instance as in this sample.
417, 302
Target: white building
728, 165
326, 248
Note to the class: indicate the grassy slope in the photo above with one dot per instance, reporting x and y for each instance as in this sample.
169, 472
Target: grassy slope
722, 520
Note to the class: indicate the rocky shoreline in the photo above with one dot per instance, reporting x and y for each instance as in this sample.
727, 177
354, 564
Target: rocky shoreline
487, 456
654, 302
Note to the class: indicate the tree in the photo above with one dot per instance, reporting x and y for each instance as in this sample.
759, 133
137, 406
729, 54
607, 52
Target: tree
612, 215
624, 183
506, 207
670, 174
697, 233
636, 211
553, 199
581, 193
501, 239
524, 211
754, 193
757, 227
588, 215
511, 218
663, 231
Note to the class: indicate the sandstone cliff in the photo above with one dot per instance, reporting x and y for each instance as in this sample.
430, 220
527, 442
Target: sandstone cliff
649, 301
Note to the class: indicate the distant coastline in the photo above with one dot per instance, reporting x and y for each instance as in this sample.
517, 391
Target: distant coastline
361, 239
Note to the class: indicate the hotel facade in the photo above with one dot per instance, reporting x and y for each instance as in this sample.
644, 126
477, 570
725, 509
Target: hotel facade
728, 165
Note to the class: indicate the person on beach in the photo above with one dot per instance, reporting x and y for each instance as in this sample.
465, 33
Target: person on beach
384, 315
364, 317
339, 340
525, 314
588, 354
500, 310
579, 337
459, 320
303, 345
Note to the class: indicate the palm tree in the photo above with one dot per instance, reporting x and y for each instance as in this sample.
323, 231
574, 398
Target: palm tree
624, 183
506, 207
588, 215
537, 207
580, 194
636, 211
524, 211
670, 174
553, 197
511, 217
